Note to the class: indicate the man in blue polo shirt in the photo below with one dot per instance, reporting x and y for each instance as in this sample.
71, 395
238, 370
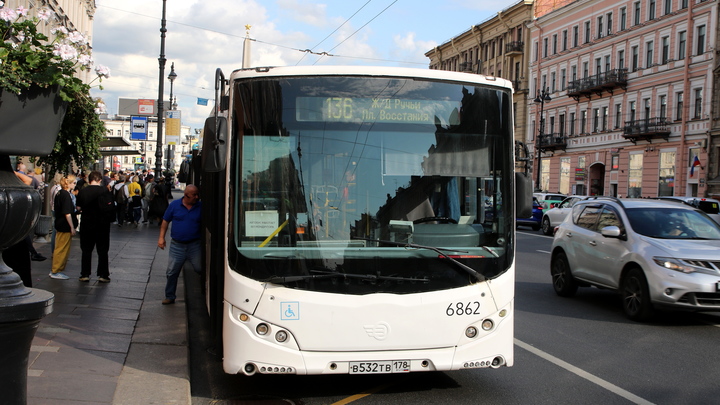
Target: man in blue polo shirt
185, 238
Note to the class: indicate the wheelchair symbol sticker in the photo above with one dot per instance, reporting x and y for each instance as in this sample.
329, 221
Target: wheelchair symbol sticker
290, 311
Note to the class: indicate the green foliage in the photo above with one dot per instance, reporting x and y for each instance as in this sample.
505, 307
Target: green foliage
29, 58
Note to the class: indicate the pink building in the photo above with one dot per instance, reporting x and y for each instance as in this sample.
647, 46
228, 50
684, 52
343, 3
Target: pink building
625, 108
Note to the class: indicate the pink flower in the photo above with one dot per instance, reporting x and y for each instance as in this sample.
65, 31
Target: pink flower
102, 71
65, 52
22, 10
8, 14
76, 38
45, 14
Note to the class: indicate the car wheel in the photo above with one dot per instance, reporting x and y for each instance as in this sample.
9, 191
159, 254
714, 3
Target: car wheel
546, 227
563, 283
636, 296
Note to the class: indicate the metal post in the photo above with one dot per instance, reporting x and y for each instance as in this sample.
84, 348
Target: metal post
161, 90
542, 97
172, 76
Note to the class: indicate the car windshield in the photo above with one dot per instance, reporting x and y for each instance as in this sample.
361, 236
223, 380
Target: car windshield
672, 223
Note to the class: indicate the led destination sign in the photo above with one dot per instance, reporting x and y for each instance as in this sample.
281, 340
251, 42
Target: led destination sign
377, 110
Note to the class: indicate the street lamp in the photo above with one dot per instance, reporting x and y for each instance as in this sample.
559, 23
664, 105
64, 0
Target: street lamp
542, 97
172, 76
161, 90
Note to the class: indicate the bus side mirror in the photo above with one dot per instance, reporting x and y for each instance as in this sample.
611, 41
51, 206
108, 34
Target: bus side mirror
523, 195
214, 149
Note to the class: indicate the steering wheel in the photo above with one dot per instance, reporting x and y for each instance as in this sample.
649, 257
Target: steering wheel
438, 219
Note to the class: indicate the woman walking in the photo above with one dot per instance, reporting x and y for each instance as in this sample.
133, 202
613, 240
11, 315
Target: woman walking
65, 224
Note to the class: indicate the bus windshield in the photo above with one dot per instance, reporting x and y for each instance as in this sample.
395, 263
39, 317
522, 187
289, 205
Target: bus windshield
359, 185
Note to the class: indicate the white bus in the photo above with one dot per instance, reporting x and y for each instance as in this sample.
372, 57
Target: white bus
360, 220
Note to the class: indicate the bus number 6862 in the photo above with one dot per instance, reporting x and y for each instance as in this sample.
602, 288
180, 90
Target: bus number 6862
459, 308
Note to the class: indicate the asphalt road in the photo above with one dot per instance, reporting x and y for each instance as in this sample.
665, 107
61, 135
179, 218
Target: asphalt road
579, 350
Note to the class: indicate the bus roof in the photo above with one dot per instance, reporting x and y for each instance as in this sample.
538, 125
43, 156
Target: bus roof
385, 71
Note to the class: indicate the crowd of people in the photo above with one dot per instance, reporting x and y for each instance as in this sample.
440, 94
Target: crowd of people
90, 203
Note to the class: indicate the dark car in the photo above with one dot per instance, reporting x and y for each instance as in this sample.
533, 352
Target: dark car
536, 218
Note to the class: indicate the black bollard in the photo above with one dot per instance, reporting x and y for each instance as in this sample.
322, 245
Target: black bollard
21, 308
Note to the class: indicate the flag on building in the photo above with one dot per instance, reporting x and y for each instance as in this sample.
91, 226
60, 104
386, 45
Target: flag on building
696, 162
202, 101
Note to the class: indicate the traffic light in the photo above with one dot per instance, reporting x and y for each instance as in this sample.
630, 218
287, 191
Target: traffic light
142, 147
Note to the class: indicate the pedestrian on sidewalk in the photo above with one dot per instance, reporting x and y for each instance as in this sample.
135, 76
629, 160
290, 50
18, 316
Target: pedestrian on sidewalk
185, 238
122, 195
135, 204
147, 197
96, 228
65, 224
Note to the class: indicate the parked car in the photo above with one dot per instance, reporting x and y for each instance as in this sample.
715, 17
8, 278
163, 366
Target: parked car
657, 254
534, 220
707, 205
549, 200
554, 216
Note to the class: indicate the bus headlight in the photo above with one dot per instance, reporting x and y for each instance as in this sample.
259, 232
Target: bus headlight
471, 332
281, 336
262, 329
487, 324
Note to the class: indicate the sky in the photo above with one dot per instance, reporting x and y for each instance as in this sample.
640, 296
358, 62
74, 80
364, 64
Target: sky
203, 35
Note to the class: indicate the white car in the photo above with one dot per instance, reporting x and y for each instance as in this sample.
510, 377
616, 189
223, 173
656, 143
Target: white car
554, 216
707, 205
656, 254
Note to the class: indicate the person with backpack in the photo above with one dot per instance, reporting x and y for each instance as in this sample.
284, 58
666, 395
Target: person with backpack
98, 210
147, 197
120, 190
135, 204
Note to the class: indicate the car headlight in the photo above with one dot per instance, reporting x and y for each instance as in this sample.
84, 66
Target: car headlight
673, 264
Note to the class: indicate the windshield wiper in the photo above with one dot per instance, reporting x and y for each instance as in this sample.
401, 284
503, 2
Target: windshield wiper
329, 274
439, 251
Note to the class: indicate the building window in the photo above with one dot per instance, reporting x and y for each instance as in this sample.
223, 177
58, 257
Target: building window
636, 16
623, 18
596, 119
663, 107
564, 40
667, 174
649, 54
535, 52
646, 102
563, 79
681, 45
564, 175
651, 10
604, 119
698, 104
632, 111
572, 123
668, 6
561, 117
587, 32
635, 169
609, 23
679, 106
665, 49
700, 40
585, 70
598, 66
574, 73
615, 162
554, 44
600, 27
634, 58
576, 35
607, 63
683, 4
618, 115
583, 122
552, 82
621, 59
545, 47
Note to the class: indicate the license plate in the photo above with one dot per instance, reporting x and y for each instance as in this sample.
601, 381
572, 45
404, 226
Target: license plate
379, 367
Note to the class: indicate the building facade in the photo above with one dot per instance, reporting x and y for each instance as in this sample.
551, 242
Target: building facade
628, 107
496, 47
140, 154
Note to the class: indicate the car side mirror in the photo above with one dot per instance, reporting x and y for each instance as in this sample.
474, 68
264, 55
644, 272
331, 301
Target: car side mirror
612, 232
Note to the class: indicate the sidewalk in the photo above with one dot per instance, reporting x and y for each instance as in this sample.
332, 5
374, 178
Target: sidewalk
111, 343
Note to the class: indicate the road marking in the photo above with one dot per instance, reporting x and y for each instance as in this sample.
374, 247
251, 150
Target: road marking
584, 374
543, 251
361, 395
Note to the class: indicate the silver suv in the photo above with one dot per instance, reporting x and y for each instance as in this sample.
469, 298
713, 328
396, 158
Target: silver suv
655, 253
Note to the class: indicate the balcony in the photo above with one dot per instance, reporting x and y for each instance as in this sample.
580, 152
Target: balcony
519, 86
552, 142
646, 129
514, 48
598, 84
465, 67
